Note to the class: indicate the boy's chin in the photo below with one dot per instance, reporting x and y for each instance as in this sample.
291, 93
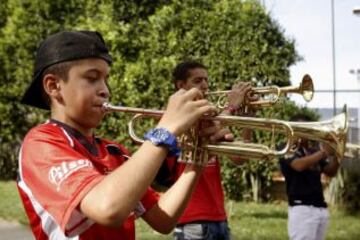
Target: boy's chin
94, 122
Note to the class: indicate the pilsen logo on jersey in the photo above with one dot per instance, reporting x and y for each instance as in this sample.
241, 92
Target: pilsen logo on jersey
58, 174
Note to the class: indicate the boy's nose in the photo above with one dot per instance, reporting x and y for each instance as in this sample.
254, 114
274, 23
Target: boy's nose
104, 92
205, 86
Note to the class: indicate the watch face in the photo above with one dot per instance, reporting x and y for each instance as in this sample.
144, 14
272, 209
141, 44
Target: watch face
160, 135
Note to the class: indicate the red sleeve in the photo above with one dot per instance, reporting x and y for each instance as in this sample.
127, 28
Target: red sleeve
55, 176
149, 199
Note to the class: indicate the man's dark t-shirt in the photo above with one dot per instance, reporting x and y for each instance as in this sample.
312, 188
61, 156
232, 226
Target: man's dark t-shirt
303, 188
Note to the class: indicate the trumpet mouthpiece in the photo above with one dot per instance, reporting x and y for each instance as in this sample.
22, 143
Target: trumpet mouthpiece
106, 106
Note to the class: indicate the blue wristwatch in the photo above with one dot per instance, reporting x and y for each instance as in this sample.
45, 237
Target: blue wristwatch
162, 137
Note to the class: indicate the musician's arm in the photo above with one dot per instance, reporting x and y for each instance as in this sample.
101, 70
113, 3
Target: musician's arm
303, 163
332, 167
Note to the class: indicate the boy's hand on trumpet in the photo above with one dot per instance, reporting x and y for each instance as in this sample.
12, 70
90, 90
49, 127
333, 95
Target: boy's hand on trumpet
214, 131
184, 108
329, 151
238, 98
237, 95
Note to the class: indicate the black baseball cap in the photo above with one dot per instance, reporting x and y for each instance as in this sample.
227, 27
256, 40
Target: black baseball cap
61, 47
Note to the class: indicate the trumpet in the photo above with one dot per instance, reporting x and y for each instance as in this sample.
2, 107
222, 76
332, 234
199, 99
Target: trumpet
306, 89
192, 145
332, 132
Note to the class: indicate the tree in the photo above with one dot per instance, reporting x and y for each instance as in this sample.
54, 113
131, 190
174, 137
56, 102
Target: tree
236, 39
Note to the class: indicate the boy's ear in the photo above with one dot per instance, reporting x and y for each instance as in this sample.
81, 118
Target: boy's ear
51, 84
180, 84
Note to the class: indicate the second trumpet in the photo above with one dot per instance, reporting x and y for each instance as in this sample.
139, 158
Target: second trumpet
269, 95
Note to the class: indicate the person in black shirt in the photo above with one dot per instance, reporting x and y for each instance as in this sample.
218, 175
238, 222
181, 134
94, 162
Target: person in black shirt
307, 214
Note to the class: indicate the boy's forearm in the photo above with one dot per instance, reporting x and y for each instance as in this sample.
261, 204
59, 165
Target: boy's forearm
174, 201
304, 163
111, 201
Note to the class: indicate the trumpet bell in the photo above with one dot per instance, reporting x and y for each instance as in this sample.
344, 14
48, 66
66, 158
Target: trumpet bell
332, 132
306, 88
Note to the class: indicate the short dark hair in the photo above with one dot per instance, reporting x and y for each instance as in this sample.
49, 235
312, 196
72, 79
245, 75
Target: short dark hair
61, 70
181, 71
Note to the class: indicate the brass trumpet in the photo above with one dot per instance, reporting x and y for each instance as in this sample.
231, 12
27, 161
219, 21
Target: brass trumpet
332, 132
306, 89
192, 145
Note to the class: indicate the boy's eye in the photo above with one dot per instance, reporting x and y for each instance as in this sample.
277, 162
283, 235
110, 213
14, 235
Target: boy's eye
198, 81
92, 78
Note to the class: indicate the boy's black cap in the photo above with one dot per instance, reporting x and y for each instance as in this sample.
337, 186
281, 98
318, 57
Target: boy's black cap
61, 47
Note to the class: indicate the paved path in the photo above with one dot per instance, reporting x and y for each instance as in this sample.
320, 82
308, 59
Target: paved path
14, 231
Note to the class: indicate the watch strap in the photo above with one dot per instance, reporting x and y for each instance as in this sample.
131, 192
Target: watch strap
162, 137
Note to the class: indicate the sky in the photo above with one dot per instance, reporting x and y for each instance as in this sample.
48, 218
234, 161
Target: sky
309, 23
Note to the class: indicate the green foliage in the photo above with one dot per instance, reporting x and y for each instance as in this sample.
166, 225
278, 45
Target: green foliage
252, 180
347, 190
11, 207
248, 182
235, 39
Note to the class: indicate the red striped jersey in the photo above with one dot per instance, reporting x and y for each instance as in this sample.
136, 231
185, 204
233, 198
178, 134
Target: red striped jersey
58, 166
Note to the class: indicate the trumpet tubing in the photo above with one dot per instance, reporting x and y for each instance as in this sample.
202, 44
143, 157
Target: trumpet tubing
192, 145
332, 132
306, 89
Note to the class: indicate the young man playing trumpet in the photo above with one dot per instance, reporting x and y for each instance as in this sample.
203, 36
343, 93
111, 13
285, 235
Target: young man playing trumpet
307, 214
205, 216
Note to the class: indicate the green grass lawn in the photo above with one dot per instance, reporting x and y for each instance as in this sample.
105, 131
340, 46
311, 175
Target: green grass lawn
248, 221
11, 207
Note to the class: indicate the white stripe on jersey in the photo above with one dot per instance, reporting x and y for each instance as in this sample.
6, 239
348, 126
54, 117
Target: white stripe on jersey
49, 226
68, 137
77, 224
